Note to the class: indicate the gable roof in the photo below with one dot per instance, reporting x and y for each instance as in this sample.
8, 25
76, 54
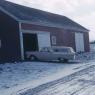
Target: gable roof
39, 17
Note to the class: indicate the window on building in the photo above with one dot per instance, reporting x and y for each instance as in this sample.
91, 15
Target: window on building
53, 38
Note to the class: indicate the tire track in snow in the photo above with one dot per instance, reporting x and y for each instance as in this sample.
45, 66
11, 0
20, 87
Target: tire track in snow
46, 87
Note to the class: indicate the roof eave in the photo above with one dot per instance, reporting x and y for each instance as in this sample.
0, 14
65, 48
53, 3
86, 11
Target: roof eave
64, 27
28, 22
8, 13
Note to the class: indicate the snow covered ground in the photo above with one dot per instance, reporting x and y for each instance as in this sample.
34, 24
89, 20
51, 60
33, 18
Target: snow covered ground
19, 77
78, 83
85, 57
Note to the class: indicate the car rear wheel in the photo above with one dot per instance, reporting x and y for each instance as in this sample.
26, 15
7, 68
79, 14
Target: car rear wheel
66, 60
63, 60
33, 58
60, 59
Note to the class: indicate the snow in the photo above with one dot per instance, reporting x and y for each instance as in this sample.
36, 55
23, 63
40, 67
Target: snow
89, 56
79, 83
19, 77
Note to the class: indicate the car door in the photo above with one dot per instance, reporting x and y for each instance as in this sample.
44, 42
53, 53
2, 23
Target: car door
46, 55
59, 53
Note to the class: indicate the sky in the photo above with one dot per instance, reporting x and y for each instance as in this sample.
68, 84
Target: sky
81, 11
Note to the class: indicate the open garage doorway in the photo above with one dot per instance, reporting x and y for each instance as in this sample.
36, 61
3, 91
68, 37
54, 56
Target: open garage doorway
30, 42
35, 41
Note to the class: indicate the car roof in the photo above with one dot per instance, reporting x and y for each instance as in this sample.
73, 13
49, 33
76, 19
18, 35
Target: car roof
57, 47
60, 47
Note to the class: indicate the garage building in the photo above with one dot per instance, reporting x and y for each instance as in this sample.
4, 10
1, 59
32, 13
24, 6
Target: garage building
27, 29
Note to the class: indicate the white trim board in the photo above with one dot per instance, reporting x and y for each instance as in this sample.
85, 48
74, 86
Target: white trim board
34, 31
64, 27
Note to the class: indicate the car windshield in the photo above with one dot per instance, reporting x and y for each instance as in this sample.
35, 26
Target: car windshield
72, 50
45, 49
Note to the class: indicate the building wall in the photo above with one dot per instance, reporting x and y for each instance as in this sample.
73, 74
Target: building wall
64, 37
9, 36
10, 40
53, 31
86, 39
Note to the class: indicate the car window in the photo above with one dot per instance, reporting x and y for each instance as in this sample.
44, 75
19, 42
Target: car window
45, 50
66, 50
61, 50
72, 50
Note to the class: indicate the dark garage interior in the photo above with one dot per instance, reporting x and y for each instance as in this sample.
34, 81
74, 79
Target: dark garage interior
30, 42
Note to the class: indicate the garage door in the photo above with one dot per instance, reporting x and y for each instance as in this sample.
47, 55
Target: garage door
44, 40
79, 41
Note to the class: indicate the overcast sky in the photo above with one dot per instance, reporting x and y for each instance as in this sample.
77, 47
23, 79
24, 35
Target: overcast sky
81, 11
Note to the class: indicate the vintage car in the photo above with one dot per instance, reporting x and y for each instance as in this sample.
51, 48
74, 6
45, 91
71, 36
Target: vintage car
60, 53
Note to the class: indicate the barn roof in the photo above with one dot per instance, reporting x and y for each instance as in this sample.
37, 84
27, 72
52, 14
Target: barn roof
39, 17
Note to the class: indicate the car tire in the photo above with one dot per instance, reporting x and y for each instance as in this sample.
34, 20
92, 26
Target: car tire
63, 60
60, 59
33, 58
66, 60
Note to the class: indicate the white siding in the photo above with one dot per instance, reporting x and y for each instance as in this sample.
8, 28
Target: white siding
79, 41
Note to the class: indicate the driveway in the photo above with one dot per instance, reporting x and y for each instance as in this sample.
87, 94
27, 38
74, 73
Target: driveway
47, 78
15, 77
79, 83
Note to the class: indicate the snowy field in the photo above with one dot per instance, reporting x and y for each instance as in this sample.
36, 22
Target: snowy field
16, 78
